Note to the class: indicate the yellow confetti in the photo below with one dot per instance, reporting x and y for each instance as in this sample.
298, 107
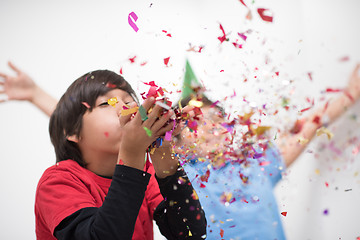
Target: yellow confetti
317, 171
126, 112
190, 234
195, 103
302, 140
260, 130
194, 195
324, 130
112, 101
152, 151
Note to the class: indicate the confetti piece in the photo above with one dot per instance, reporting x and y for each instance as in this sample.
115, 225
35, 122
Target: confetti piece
86, 105
244, 37
132, 60
326, 184
249, 15
168, 136
333, 90
284, 213
324, 130
163, 105
302, 140
194, 195
112, 101
110, 85
344, 59
166, 61
106, 134
132, 24
126, 112
326, 212
195, 103
242, 1
265, 14
148, 131
223, 37
310, 76
221, 232
143, 114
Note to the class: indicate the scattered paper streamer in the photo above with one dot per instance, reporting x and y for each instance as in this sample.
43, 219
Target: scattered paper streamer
131, 22
126, 112
324, 130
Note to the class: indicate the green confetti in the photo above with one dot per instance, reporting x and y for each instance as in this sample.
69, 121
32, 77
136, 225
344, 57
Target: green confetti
148, 131
143, 114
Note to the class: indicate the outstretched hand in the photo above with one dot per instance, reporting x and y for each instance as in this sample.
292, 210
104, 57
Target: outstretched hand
354, 83
19, 87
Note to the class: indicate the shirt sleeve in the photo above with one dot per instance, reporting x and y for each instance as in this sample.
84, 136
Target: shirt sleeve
69, 209
180, 215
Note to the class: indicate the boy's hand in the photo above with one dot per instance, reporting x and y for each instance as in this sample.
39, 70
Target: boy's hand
164, 161
139, 133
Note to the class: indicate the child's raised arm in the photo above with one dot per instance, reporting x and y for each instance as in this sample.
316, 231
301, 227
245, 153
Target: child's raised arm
290, 146
22, 87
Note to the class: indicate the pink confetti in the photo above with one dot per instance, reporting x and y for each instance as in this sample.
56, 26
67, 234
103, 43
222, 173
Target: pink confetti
242, 36
131, 22
265, 14
310, 76
86, 105
106, 134
168, 136
344, 59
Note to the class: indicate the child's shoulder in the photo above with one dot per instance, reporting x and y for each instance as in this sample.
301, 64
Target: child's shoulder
63, 169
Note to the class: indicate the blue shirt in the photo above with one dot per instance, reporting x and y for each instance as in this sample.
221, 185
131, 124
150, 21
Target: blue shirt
238, 199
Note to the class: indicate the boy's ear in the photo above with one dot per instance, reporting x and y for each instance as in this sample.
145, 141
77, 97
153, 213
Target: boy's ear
73, 138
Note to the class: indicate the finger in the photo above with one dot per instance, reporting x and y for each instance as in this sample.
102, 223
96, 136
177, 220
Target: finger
162, 131
162, 122
357, 68
188, 108
153, 116
143, 109
3, 75
13, 67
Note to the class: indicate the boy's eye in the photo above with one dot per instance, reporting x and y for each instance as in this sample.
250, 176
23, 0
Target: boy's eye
104, 104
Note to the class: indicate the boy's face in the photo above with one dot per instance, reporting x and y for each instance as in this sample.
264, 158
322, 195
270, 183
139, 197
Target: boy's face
101, 131
209, 137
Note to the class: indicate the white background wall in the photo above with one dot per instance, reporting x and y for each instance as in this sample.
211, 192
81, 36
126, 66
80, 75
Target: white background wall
57, 41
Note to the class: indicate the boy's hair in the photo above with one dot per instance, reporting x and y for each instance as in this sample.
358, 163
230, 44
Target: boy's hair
80, 97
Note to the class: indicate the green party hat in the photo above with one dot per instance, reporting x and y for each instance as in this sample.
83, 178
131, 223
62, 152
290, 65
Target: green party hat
190, 82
